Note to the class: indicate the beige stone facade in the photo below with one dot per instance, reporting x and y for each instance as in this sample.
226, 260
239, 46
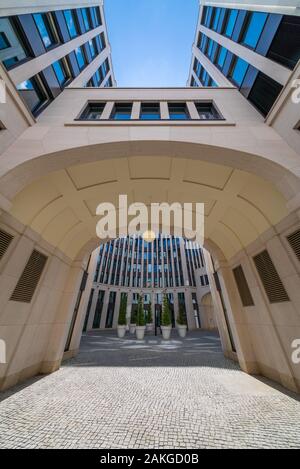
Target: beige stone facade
55, 170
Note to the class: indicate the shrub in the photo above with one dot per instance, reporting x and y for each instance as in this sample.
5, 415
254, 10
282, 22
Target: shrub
122, 311
140, 313
181, 320
166, 313
149, 317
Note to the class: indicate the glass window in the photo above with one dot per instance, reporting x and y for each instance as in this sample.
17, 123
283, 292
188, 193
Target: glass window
93, 111
71, 24
105, 68
217, 14
92, 47
86, 19
207, 111
60, 72
46, 33
8, 63
178, 111
239, 71
221, 57
207, 16
254, 28
4, 43
80, 57
11, 55
95, 14
122, 111
109, 83
230, 22
33, 94
150, 111
98, 77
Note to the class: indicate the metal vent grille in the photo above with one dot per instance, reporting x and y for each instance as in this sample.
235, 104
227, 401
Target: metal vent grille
5, 240
294, 240
30, 277
243, 287
270, 279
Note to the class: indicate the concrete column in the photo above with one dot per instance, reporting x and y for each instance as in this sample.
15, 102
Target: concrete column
77, 334
105, 308
136, 109
93, 309
62, 323
176, 304
117, 310
190, 310
164, 110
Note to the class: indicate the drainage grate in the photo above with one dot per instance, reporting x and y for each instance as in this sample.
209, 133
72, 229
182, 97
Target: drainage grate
5, 240
243, 286
30, 278
294, 240
270, 279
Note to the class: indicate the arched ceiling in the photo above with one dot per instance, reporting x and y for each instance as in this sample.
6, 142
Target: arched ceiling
61, 206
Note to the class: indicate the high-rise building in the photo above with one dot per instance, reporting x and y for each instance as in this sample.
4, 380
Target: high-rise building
253, 46
47, 48
168, 265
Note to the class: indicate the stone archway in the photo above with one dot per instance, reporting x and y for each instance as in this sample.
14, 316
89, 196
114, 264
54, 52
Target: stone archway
50, 206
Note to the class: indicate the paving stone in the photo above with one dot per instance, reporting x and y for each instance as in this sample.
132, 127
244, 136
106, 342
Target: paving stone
150, 394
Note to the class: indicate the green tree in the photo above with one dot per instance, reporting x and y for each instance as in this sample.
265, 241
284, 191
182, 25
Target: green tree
166, 313
140, 312
181, 320
133, 315
149, 314
123, 310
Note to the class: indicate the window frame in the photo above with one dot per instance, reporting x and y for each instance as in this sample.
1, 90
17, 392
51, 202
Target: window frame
121, 104
179, 104
49, 25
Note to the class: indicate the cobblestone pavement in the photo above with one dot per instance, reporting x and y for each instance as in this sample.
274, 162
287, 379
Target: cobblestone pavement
151, 394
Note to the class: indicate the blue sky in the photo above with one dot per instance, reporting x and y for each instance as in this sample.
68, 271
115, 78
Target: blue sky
151, 40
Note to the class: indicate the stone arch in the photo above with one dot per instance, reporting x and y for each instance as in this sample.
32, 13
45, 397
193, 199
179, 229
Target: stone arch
50, 201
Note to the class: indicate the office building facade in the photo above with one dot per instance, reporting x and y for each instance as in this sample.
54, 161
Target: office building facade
249, 45
133, 266
44, 51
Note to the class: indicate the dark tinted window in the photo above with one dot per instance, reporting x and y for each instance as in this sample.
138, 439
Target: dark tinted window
93, 111
264, 93
207, 111
285, 48
178, 111
122, 111
150, 111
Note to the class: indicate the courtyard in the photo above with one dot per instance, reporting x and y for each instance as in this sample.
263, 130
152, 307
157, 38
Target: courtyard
150, 394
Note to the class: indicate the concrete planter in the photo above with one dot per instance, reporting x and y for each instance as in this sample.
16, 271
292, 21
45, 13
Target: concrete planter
166, 332
140, 332
132, 328
149, 327
182, 329
121, 331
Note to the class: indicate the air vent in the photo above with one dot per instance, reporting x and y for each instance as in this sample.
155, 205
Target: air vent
294, 240
243, 287
270, 279
30, 277
5, 240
